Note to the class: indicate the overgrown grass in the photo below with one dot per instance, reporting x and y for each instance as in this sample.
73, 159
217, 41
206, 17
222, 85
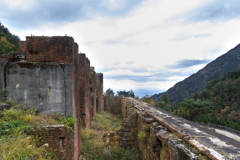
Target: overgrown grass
108, 122
93, 147
15, 143
22, 147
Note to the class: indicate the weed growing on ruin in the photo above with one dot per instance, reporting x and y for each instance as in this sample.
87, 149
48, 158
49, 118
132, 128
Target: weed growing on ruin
68, 121
4, 93
93, 147
141, 135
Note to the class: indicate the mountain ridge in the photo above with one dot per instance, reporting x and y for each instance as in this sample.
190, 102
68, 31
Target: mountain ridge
223, 64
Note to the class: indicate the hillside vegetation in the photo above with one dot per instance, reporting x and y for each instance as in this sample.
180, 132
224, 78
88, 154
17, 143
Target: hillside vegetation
218, 103
8, 41
228, 62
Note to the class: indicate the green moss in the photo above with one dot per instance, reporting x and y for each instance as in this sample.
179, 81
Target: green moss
141, 135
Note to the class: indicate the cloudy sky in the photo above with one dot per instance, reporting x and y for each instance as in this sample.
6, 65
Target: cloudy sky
146, 45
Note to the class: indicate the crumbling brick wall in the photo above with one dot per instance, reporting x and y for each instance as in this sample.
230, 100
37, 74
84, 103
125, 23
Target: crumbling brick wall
113, 104
50, 49
21, 46
57, 139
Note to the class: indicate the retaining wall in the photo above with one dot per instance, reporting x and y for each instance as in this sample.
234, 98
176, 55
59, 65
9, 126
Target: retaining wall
160, 135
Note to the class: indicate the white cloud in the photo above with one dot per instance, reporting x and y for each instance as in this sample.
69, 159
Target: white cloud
152, 36
116, 84
113, 4
126, 72
20, 4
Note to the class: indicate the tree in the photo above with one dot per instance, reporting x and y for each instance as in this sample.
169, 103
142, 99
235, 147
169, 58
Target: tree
126, 93
164, 103
195, 109
164, 98
148, 99
109, 92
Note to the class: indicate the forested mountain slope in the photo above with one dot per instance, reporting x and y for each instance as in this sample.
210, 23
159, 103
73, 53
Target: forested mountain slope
228, 62
8, 41
223, 92
217, 103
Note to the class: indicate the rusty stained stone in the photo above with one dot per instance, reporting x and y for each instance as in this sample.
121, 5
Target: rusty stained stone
163, 136
148, 120
133, 120
184, 153
111, 134
126, 133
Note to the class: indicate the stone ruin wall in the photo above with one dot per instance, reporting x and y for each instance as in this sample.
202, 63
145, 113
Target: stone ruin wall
54, 78
165, 136
113, 105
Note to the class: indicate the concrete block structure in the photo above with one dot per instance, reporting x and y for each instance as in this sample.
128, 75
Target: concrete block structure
54, 78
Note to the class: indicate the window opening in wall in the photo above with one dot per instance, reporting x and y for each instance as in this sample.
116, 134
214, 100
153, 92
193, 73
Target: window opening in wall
31, 51
61, 144
49, 89
97, 105
157, 145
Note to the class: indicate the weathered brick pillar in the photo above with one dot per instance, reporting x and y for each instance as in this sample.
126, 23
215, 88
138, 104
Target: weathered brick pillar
84, 67
76, 105
93, 85
99, 92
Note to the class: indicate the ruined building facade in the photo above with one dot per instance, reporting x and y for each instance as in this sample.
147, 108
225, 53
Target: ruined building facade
50, 75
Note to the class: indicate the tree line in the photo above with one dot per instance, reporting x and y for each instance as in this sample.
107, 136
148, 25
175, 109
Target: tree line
124, 93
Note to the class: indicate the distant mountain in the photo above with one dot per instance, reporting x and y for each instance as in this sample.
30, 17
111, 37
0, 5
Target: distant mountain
228, 62
8, 41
